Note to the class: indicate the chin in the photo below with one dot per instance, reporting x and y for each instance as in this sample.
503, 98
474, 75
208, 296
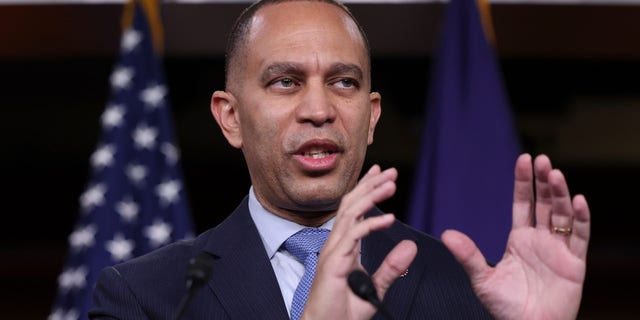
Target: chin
317, 201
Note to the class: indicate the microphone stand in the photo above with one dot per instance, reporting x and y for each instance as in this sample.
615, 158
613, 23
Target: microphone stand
361, 284
197, 274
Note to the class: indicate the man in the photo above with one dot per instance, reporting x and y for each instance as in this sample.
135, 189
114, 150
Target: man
298, 104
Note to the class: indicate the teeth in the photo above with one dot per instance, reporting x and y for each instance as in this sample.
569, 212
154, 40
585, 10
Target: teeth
316, 154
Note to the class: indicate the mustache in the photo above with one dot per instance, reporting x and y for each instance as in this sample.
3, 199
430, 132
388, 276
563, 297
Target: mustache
320, 138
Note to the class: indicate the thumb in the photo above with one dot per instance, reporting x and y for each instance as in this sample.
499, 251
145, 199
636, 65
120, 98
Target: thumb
394, 265
467, 254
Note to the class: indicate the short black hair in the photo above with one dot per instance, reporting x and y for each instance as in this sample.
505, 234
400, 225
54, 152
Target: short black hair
240, 29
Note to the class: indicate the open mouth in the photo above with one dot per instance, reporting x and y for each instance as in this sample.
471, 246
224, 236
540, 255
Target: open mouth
317, 153
318, 149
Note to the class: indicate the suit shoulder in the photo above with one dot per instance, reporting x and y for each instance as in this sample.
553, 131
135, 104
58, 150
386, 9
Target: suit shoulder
164, 260
148, 286
169, 254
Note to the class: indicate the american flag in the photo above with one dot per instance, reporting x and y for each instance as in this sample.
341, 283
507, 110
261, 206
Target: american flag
135, 200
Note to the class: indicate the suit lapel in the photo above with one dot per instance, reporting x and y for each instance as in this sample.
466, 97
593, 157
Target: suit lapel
375, 248
243, 279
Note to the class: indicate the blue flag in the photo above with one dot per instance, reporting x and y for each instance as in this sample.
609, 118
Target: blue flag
135, 200
464, 178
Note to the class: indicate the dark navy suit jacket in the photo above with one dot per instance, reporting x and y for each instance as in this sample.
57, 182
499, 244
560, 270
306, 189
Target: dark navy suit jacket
244, 286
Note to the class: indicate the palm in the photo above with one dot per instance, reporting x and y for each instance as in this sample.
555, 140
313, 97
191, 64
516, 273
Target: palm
536, 282
541, 273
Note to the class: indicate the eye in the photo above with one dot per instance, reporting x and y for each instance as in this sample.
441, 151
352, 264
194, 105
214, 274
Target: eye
346, 83
284, 83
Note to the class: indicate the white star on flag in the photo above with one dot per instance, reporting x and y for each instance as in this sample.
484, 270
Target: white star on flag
158, 233
112, 116
145, 137
120, 248
127, 209
170, 152
168, 191
130, 39
93, 197
153, 95
103, 156
73, 278
121, 77
60, 314
136, 173
82, 237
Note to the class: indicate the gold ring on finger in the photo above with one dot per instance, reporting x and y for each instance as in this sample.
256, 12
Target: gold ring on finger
562, 231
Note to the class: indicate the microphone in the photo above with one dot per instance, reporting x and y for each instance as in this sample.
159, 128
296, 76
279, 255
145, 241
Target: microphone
361, 284
198, 272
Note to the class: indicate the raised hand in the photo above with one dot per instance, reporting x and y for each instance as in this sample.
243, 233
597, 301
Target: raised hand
542, 272
330, 297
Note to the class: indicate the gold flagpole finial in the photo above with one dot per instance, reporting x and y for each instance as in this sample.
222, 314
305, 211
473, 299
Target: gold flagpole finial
484, 9
151, 9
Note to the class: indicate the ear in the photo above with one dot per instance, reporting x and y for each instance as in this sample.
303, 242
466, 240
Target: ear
376, 109
224, 110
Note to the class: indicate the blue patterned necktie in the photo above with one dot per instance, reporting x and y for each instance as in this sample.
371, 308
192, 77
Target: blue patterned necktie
305, 246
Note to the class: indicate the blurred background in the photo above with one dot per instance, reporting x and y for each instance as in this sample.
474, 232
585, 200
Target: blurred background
572, 73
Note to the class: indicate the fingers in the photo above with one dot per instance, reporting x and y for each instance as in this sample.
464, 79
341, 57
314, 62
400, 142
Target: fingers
562, 208
394, 265
543, 207
349, 227
374, 187
349, 242
523, 193
581, 227
555, 210
467, 253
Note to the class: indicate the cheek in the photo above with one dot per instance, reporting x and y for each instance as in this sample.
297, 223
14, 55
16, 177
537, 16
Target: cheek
358, 123
262, 132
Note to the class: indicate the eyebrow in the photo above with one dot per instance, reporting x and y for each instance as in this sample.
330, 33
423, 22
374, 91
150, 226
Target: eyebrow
296, 69
347, 69
280, 68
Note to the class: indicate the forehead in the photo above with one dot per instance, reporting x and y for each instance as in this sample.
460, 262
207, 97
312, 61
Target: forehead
299, 30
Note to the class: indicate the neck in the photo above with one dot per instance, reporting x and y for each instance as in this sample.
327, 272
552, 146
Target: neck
308, 219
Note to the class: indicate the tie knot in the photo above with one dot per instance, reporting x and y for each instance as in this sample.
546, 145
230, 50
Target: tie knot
305, 242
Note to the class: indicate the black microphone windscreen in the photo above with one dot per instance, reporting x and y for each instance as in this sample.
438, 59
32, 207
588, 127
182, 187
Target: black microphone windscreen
361, 284
200, 268
198, 272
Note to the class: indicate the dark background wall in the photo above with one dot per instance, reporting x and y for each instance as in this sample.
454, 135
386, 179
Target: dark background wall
571, 73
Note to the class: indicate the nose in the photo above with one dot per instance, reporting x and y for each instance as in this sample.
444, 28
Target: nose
316, 106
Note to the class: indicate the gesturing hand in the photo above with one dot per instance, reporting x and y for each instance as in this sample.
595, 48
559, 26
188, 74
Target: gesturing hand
542, 271
330, 296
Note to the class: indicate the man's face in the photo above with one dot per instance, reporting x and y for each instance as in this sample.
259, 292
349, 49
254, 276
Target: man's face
304, 112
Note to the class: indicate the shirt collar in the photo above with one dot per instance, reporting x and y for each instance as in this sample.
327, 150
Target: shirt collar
274, 230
